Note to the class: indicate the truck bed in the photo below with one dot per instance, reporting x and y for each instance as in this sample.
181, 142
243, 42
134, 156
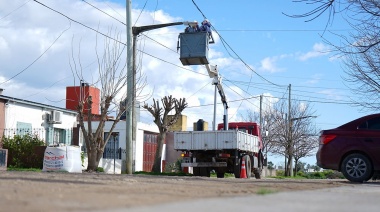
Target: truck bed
215, 140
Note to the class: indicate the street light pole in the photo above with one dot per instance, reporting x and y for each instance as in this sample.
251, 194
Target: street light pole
131, 121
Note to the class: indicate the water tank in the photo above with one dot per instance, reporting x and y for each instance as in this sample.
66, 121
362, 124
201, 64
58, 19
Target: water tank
200, 125
194, 48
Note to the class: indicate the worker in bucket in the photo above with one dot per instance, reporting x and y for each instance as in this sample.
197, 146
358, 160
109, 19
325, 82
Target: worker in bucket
193, 27
206, 26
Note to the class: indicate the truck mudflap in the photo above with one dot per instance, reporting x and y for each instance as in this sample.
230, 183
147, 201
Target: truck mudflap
205, 164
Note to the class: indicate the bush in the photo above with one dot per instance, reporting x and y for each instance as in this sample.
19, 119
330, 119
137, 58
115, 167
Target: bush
331, 174
22, 151
280, 173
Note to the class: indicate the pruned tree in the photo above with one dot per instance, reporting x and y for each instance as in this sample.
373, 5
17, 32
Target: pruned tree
112, 78
163, 121
358, 49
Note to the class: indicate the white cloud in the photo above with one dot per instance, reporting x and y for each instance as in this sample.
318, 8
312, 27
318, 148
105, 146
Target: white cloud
24, 37
315, 79
319, 49
269, 64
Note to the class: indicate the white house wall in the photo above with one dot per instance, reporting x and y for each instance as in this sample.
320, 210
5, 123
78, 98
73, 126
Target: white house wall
138, 147
36, 117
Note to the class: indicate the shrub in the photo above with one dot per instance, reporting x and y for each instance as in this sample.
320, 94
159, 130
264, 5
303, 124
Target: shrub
280, 173
331, 174
21, 150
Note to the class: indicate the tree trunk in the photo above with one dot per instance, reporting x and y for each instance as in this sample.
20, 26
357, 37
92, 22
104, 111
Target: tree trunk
289, 166
92, 161
157, 159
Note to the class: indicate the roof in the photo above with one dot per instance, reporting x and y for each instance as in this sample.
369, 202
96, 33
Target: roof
27, 102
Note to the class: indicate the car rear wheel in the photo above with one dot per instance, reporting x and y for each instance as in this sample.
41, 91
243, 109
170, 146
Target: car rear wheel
357, 168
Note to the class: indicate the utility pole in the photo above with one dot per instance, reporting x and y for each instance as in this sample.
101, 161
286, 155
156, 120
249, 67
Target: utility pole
131, 121
290, 159
261, 114
130, 92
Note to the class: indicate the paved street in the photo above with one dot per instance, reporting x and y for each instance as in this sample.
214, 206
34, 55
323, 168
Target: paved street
352, 197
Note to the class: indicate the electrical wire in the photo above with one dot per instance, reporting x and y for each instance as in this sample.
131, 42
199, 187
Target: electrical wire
104, 12
22, 71
167, 47
15, 10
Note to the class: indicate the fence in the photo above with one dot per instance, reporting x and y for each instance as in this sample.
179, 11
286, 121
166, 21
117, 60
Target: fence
51, 136
110, 153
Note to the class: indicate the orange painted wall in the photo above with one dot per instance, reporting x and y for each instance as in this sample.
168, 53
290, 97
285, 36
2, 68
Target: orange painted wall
73, 97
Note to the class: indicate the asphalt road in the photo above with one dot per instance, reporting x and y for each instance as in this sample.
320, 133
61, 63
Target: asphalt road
352, 197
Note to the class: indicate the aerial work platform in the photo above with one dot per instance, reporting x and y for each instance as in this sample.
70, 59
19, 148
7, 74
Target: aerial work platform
194, 48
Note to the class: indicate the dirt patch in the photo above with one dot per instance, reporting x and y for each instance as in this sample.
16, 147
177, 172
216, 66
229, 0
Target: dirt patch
46, 191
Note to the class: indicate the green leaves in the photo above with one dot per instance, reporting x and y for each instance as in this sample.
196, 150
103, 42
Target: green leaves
22, 151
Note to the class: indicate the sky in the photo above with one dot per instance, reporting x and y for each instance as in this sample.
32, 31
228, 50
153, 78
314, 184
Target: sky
258, 49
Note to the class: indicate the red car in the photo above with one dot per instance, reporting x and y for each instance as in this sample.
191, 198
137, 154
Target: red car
353, 149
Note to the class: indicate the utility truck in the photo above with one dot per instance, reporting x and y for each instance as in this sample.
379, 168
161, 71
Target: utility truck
225, 149
220, 150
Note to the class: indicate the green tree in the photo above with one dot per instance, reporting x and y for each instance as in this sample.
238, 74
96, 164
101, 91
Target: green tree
270, 165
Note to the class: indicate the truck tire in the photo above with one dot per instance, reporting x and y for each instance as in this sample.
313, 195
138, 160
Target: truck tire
257, 173
196, 171
220, 174
248, 166
205, 172
237, 167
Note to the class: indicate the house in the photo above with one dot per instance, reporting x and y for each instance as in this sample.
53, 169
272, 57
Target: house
115, 154
52, 124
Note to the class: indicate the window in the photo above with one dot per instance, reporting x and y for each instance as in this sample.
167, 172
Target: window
59, 136
372, 124
23, 128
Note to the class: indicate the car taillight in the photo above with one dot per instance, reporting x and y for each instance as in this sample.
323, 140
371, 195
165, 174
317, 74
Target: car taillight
324, 139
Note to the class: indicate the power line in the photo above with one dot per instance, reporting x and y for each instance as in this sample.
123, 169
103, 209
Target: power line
37, 57
222, 39
15, 10
103, 12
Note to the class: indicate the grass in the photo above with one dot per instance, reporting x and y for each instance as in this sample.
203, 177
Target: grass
23, 169
164, 173
265, 191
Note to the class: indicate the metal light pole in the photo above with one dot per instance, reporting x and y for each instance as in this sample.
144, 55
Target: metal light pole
131, 122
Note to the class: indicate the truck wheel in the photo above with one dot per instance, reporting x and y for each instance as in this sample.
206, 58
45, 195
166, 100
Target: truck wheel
196, 171
357, 168
257, 173
237, 167
205, 172
248, 166
220, 174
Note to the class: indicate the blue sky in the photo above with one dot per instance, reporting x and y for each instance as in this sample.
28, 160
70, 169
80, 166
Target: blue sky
281, 49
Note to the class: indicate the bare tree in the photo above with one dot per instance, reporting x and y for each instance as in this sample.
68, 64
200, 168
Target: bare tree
162, 120
358, 49
295, 142
112, 78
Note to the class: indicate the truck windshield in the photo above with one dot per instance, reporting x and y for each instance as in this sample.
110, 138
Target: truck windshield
243, 129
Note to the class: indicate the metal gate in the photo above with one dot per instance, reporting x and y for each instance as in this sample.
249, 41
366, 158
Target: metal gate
149, 151
3, 159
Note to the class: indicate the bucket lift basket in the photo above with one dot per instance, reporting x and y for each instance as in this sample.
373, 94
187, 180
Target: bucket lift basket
194, 48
